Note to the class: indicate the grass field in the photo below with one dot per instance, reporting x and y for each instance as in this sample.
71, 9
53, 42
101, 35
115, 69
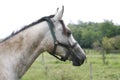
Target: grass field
48, 68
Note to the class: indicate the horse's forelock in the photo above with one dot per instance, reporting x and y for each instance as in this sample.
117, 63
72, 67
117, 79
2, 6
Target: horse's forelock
63, 26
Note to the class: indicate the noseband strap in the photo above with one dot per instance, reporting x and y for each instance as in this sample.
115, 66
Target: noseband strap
56, 42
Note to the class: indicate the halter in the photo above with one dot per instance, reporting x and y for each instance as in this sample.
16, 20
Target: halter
56, 42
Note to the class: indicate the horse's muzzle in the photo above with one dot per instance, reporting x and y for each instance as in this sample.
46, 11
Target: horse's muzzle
78, 61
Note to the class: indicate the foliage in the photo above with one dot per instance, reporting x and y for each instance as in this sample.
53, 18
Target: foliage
111, 43
88, 33
96, 45
108, 43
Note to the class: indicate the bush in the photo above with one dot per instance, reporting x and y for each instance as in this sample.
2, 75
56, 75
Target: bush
111, 43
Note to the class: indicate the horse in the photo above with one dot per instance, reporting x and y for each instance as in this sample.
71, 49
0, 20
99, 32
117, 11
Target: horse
19, 50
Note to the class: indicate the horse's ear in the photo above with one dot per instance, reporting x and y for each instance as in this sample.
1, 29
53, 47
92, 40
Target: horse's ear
59, 14
57, 10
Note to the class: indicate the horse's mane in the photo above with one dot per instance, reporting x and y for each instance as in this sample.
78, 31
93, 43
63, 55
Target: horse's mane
25, 27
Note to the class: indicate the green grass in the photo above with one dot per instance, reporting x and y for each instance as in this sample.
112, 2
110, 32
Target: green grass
49, 68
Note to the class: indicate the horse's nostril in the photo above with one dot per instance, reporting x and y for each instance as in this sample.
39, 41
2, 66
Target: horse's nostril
82, 61
84, 57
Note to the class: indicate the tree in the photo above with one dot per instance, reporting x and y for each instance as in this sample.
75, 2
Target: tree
117, 42
87, 33
111, 43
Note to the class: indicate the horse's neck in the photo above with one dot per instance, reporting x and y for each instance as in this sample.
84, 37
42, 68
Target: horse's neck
22, 49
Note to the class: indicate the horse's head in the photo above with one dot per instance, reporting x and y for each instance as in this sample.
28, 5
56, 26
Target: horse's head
62, 43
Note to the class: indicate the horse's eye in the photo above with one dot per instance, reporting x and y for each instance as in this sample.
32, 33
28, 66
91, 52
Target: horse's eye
68, 33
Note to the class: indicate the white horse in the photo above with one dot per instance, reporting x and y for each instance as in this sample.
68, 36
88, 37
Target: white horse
19, 50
